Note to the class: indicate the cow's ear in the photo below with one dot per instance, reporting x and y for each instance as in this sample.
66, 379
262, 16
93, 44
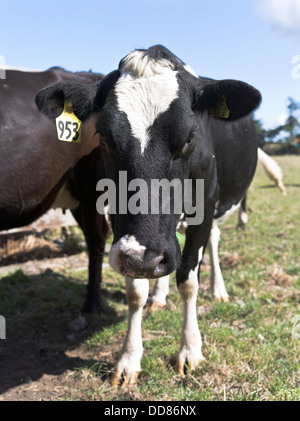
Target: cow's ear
85, 99
50, 100
228, 99
104, 88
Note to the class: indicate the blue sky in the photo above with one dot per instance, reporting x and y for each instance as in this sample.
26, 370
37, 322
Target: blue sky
251, 40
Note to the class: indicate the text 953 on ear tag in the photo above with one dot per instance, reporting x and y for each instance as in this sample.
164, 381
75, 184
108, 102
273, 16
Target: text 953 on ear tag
220, 109
68, 126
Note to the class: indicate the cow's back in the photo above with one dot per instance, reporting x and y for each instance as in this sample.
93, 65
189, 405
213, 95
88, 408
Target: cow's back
235, 148
34, 165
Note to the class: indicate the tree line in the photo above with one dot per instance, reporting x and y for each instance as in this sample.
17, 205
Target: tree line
284, 139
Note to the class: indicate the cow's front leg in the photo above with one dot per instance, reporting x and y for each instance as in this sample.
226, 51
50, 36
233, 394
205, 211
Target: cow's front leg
95, 230
160, 293
217, 284
129, 365
190, 352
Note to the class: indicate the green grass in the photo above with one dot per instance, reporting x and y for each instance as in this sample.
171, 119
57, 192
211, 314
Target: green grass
248, 343
251, 344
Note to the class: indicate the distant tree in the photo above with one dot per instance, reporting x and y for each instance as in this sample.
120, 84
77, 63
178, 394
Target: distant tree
293, 106
260, 131
290, 128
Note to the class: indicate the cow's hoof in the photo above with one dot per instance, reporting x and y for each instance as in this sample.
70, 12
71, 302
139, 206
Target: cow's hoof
123, 381
222, 299
154, 306
189, 364
188, 359
127, 370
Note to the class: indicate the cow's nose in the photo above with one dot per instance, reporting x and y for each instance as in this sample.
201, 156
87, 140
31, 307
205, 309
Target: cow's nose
148, 267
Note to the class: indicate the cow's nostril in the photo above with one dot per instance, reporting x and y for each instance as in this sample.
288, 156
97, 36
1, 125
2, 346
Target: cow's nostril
125, 267
147, 266
161, 266
154, 263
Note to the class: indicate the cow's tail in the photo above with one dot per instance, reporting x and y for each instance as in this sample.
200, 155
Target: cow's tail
272, 169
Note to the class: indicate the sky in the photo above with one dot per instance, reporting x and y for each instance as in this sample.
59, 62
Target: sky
257, 41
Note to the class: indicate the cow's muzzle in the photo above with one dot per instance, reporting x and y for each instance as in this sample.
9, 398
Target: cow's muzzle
128, 258
133, 266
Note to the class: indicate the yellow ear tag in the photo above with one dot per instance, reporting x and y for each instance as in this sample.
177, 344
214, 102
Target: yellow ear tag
220, 110
68, 126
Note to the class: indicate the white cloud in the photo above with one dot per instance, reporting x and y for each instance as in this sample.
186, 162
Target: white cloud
283, 14
281, 119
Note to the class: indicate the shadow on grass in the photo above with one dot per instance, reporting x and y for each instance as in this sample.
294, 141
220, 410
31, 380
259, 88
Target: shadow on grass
38, 309
292, 185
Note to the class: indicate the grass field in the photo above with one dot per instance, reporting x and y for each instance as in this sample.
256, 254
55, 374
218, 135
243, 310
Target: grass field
251, 344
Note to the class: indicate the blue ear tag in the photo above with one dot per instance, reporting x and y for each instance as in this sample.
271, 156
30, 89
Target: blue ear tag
180, 238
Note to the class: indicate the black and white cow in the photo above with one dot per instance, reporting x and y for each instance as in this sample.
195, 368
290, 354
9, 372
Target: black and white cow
155, 121
38, 172
274, 172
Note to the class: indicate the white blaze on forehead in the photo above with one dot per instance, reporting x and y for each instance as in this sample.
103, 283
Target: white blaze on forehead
145, 89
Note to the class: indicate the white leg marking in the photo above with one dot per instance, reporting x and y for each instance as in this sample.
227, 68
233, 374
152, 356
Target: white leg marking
227, 214
130, 362
190, 340
216, 278
243, 217
161, 290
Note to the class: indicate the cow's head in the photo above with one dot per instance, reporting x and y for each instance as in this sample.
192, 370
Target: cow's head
152, 117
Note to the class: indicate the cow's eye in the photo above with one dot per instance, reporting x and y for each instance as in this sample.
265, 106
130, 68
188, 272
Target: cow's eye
191, 137
188, 142
187, 146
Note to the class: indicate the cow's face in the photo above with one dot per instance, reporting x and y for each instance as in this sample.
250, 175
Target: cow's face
149, 127
148, 131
